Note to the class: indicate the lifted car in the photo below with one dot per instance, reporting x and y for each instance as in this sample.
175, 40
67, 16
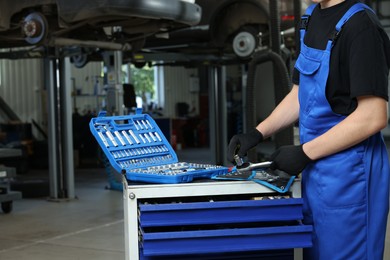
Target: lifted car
233, 28
110, 24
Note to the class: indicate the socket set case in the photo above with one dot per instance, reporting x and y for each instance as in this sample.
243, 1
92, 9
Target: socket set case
136, 145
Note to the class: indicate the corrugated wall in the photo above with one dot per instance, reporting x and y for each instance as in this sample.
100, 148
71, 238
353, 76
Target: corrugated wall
22, 88
21, 84
177, 89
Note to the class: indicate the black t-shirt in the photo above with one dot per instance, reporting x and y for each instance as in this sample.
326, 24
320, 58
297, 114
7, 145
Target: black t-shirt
360, 58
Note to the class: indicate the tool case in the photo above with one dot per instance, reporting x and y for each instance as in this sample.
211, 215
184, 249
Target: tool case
135, 146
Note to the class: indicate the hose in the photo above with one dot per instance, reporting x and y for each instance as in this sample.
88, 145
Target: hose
281, 86
274, 25
297, 12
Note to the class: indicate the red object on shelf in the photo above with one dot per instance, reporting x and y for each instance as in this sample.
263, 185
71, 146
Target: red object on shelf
173, 140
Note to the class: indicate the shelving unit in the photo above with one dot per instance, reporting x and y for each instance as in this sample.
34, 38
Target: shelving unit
87, 97
6, 195
88, 100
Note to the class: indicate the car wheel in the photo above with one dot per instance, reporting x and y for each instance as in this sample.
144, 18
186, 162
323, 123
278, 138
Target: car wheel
245, 43
6, 207
35, 28
79, 60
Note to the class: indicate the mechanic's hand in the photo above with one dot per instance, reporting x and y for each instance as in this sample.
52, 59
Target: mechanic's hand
290, 159
241, 143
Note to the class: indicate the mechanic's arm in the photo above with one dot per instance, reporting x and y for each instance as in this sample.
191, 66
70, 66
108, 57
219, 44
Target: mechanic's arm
369, 118
285, 114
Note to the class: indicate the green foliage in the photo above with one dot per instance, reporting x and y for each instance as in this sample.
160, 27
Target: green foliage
143, 80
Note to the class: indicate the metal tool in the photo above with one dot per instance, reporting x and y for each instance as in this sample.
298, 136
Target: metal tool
112, 139
120, 138
152, 136
147, 121
103, 139
158, 136
242, 166
127, 137
139, 125
142, 138
245, 170
133, 135
147, 138
247, 166
143, 122
239, 161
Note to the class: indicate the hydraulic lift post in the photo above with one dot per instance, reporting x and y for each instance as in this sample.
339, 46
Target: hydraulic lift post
60, 136
217, 108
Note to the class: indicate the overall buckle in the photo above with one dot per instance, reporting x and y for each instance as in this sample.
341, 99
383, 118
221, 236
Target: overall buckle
304, 22
334, 35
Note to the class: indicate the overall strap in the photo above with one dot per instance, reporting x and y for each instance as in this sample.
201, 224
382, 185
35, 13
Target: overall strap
310, 9
353, 10
305, 20
306, 17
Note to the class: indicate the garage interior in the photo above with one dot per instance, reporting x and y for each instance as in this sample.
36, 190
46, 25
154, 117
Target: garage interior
198, 73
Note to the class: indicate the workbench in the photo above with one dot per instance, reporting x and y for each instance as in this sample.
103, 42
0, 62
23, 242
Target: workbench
214, 218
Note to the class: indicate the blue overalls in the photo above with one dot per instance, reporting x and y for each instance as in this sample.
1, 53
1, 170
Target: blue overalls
346, 194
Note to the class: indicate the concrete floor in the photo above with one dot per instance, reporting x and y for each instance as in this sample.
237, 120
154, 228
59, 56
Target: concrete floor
90, 227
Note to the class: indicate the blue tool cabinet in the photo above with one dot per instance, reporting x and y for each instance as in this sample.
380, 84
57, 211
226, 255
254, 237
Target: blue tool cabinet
175, 210
212, 220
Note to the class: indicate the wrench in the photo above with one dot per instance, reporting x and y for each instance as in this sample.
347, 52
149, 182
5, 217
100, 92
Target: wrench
242, 166
247, 166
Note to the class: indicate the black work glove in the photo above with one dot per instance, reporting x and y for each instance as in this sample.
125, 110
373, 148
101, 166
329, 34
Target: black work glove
241, 143
290, 159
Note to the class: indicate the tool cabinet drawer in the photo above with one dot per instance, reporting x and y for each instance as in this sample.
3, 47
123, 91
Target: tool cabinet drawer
277, 254
214, 220
219, 227
219, 212
225, 240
